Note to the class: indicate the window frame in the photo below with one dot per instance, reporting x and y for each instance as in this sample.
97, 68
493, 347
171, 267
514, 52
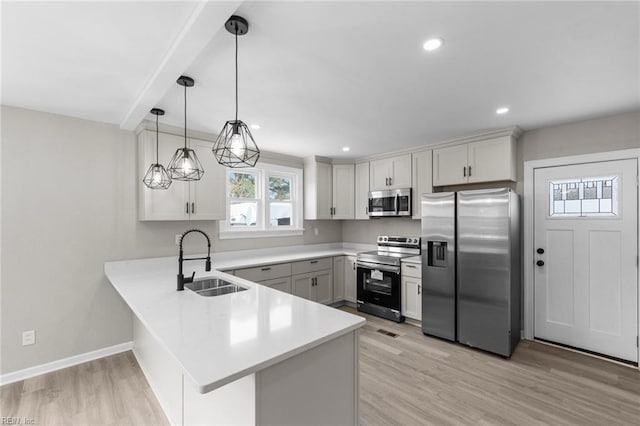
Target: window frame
264, 228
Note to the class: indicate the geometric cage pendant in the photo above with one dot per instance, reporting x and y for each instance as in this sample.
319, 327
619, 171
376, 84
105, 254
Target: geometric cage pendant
235, 146
157, 177
185, 165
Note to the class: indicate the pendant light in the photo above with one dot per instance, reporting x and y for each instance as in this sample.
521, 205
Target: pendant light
185, 165
235, 146
157, 176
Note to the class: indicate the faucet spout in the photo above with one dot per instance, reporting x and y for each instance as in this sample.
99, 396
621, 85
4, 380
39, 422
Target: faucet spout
181, 279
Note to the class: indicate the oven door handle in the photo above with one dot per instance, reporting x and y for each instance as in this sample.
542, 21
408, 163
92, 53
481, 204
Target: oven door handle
387, 268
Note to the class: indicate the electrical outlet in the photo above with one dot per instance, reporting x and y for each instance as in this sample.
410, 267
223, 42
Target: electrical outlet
28, 337
178, 239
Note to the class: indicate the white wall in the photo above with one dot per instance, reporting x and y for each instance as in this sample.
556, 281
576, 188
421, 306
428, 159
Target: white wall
68, 205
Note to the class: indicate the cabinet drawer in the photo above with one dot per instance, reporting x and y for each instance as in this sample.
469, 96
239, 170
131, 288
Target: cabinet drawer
311, 265
411, 270
282, 284
263, 273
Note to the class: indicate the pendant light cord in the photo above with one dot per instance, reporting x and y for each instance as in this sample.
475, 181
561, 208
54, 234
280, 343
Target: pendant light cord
185, 116
157, 144
236, 26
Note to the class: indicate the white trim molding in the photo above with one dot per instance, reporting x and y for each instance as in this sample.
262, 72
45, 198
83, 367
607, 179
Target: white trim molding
27, 373
528, 246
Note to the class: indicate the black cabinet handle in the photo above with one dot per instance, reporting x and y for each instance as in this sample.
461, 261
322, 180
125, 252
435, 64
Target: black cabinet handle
469, 171
187, 208
193, 208
314, 261
265, 269
540, 251
540, 263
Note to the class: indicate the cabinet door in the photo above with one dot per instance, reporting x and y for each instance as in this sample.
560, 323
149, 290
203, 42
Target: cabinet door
324, 184
324, 286
208, 195
343, 191
400, 171
450, 165
422, 180
362, 191
301, 286
338, 278
379, 174
282, 284
350, 279
411, 298
492, 160
160, 204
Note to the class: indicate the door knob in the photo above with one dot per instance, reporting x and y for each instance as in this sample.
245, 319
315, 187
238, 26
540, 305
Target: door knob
540, 263
540, 251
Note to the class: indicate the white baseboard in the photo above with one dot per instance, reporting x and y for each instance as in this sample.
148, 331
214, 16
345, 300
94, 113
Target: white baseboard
27, 373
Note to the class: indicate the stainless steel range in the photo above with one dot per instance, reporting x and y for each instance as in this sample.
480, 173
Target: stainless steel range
379, 276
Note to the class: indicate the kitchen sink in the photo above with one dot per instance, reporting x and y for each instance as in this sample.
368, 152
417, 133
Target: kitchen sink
209, 287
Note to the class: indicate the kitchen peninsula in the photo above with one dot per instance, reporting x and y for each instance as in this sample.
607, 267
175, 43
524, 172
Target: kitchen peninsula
259, 356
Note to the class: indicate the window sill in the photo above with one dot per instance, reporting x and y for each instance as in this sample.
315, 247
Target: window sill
290, 232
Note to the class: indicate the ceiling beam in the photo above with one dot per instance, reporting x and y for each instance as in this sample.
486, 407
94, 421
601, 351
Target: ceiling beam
207, 19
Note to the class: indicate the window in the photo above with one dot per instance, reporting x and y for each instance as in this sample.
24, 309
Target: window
263, 201
584, 197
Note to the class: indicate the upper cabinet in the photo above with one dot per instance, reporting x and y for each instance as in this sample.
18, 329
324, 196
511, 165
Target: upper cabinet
422, 180
482, 161
362, 191
329, 190
343, 191
390, 173
318, 199
197, 200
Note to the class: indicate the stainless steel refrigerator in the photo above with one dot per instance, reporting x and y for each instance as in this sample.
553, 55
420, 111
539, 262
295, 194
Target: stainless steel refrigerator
471, 268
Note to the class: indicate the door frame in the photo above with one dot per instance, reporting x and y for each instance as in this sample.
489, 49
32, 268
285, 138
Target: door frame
528, 244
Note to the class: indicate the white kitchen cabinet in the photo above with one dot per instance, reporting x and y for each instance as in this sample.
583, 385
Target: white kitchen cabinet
282, 284
482, 161
411, 290
422, 179
338, 278
316, 286
390, 173
362, 191
492, 160
450, 165
318, 200
350, 278
343, 191
197, 200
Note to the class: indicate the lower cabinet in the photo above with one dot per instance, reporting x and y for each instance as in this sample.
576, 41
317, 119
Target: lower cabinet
350, 279
315, 286
282, 284
411, 291
338, 278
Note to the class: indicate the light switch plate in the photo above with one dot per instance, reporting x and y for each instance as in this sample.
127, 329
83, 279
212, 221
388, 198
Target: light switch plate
28, 337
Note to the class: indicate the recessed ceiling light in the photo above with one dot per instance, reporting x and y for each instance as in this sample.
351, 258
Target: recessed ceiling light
432, 44
346, 149
255, 126
502, 110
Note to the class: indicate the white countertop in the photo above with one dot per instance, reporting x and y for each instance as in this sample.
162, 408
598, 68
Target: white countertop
218, 340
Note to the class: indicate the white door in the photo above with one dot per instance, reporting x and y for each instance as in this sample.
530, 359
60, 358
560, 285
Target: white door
324, 286
325, 200
362, 191
338, 278
450, 165
586, 276
343, 191
350, 279
411, 291
301, 286
207, 195
491, 160
379, 173
400, 172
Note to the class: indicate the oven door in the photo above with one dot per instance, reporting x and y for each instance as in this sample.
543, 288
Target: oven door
382, 203
379, 285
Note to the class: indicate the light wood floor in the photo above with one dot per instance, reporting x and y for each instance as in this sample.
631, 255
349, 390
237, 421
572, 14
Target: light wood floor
410, 379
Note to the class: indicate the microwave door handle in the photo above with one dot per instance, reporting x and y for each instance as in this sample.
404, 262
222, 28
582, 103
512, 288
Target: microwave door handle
397, 203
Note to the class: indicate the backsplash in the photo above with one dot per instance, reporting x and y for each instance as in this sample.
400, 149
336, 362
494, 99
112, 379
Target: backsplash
366, 231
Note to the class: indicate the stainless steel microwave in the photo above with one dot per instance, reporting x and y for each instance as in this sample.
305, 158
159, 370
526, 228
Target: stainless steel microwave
390, 202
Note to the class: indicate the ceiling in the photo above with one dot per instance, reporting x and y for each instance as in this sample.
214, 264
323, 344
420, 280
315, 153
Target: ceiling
318, 76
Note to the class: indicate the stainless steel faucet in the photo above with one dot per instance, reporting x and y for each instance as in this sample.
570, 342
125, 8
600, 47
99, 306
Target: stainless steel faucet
181, 279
